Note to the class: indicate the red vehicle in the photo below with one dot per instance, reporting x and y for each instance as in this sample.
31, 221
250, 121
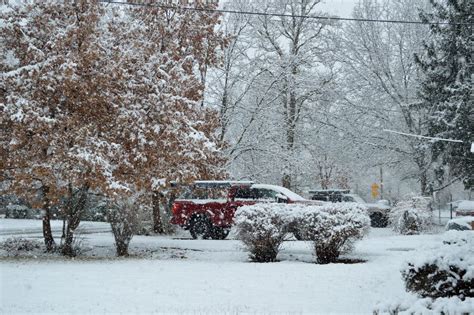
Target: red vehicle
207, 208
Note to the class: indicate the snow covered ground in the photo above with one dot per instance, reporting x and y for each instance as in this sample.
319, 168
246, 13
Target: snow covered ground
173, 274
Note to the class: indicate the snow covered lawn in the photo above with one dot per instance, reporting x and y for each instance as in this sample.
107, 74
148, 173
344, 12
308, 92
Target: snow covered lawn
175, 275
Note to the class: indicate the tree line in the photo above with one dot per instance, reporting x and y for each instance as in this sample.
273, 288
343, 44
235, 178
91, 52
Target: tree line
315, 96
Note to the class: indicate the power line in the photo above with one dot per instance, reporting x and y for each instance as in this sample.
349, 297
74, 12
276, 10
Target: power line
314, 17
422, 137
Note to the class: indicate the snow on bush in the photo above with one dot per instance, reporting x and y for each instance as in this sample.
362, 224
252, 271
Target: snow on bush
460, 223
262, 228
445, 271
447, 306
16, 245
332, 228
442, 279
411, 216
123, 216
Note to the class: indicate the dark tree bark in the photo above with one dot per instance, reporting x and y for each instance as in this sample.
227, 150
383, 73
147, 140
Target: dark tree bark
74, 210
157, 220
286, 181
47, 234
122, 248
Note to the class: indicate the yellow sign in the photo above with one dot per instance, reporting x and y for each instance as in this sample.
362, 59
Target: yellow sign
375, 190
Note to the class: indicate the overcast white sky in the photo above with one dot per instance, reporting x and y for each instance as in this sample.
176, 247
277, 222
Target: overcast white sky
341, 8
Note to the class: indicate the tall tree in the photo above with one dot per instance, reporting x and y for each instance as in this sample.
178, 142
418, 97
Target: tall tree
274, 78
105, 99
378, 84
231, 80
446, 91
51, 107
294, 48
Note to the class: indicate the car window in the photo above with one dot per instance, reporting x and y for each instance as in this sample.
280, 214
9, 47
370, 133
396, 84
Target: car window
320, 198
266, 194
245, 193
204, 193
348, 199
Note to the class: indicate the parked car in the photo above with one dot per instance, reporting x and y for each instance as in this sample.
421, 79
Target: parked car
207, 208
378, 212
464, 219
464, 208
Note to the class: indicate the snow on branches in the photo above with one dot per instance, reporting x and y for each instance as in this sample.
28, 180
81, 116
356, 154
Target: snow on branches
108, 96
412, 215
262, 229
441, 277
333, 228
446, 271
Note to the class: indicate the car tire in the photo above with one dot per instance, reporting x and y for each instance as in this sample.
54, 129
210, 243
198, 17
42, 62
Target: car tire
219, 233
378, 220
200, 227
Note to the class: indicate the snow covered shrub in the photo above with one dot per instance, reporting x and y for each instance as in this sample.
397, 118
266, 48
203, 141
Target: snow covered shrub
71, 248
145, 225
262, 228
411, 216
412, 305
15, 245
445, 271
332, 228
124, 220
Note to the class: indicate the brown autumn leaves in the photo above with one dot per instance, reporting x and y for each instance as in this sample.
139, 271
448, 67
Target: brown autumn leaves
105, 98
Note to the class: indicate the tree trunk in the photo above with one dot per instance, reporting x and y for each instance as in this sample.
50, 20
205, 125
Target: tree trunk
290, 124
67, 249
63, 235
122, 248
74, 210
157, 221
424, 184
286, 181
47, 234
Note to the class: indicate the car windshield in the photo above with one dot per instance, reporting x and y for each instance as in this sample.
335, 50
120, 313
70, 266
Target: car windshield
274, 190
204, 193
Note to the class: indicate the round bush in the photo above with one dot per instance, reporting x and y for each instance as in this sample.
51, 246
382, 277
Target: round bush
411, 216
446, 271
262, 228
332, 228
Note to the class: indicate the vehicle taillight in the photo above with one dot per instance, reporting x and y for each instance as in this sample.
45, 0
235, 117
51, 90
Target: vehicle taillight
176, 208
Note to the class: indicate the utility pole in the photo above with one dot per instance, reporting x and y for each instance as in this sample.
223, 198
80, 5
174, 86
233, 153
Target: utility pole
381, 183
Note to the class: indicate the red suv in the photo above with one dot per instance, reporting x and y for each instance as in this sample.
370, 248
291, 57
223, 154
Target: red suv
207, 208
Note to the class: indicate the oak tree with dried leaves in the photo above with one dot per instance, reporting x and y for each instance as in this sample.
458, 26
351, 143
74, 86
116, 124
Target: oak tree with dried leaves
104, 99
